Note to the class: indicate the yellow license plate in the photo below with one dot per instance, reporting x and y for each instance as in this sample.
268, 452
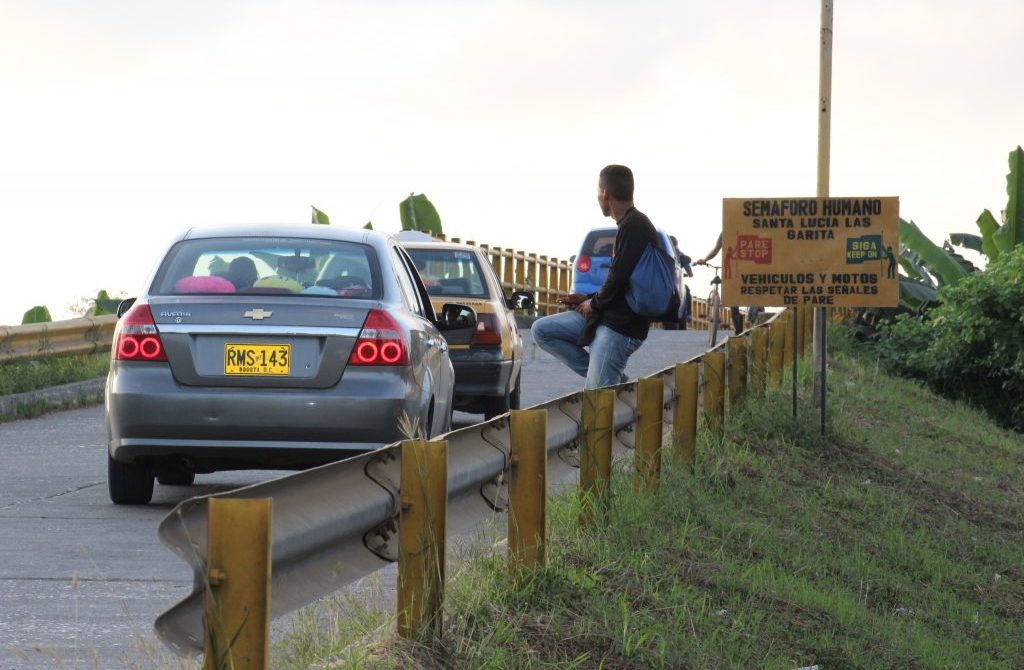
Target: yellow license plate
257, 359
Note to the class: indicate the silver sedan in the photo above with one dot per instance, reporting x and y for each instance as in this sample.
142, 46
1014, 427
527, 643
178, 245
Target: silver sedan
273, 347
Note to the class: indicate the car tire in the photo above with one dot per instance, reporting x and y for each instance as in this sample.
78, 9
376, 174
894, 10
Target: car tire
129, 483
497, 406
176, 478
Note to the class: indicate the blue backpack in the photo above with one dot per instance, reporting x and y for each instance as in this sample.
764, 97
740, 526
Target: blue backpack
652, 286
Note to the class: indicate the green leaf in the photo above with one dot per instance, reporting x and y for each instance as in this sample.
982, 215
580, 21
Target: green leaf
945, 268
38, 314
1011, 233
967, 241
320, 218
988, 226
104, 304
914, 295
418, 213
368, 226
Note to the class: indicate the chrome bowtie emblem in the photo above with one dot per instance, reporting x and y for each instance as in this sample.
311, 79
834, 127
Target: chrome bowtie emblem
258, 314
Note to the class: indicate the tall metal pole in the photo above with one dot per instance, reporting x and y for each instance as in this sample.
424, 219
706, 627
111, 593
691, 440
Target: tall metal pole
820, 354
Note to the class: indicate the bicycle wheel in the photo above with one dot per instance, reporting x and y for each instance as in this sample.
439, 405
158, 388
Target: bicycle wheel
714, 317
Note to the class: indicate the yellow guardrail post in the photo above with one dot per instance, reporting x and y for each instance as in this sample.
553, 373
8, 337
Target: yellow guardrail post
758, 371
237, 604
564, 279
809, 326
527, 489
776, 350
421, 538
787, 338
543, 284
714, 389
595, 450
737, 368
684, 421
650, 433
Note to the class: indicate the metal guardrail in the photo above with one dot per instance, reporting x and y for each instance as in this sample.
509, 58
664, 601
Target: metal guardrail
338, 523
75, 337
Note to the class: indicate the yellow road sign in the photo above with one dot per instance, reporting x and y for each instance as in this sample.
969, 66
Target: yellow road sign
820, 252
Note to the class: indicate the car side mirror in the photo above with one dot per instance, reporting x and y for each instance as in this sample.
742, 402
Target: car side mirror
521, 300
124, 306
454, 316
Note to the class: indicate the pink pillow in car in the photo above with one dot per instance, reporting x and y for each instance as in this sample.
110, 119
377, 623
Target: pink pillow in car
204, 285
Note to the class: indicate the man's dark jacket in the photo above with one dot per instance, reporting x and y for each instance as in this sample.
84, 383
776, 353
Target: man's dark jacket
610, 307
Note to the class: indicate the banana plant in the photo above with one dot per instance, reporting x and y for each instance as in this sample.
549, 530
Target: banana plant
418, 213
999, 238
38, 314
927, 255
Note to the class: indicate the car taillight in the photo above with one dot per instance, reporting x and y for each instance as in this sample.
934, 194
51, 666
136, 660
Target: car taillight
380, 342
583, 263
487, 332
136, 338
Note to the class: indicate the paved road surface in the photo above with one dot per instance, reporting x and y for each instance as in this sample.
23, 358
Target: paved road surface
82, 580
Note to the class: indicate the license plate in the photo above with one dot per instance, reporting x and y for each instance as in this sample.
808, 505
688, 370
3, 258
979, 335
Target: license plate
257, 359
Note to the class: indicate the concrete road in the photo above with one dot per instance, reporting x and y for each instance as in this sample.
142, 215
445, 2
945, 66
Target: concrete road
81, 580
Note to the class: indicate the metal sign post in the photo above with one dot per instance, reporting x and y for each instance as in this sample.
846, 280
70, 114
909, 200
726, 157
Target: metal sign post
820, 347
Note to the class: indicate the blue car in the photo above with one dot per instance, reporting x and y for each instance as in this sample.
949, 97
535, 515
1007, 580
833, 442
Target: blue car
590, 266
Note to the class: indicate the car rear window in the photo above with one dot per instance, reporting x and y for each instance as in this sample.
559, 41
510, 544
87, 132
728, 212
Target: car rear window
270, 266
450, 272
599, 243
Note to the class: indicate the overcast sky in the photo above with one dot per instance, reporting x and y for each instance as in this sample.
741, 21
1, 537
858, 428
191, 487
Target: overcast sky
126, 122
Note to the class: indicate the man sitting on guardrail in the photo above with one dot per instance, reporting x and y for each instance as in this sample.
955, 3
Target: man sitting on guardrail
604, 321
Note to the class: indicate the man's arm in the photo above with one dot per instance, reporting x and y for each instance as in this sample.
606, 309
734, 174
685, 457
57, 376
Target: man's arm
712, 253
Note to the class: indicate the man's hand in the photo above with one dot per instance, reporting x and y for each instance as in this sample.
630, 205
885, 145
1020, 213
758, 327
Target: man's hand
701, 261
572, 300
585, 308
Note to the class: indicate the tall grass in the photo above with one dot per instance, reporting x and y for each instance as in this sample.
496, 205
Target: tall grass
894, 541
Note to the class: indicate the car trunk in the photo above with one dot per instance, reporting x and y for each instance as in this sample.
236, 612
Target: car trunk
261, 343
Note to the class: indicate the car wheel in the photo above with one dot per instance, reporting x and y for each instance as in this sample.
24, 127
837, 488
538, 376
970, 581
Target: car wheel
176, 478
515, 400
129, 483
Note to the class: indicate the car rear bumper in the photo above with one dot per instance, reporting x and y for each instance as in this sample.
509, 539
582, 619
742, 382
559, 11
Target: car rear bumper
480, 374
151, 416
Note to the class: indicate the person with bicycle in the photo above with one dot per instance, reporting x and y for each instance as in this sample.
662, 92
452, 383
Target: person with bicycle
603, 321
737, 315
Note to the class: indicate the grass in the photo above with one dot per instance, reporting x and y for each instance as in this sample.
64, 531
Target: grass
24, 376
896, 541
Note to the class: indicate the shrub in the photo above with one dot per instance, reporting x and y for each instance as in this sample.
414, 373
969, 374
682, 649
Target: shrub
971, 346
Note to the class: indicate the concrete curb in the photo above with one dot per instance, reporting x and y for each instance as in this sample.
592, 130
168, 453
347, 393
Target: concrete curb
55, 397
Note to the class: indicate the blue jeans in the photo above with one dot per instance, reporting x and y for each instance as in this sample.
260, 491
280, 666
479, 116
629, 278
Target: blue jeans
603, 365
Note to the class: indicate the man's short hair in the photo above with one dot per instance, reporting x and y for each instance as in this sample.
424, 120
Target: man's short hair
618, 181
